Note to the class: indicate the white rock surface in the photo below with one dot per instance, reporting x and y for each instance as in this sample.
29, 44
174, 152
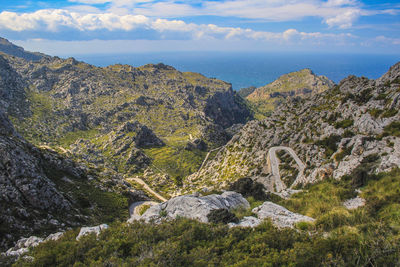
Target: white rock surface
23, 246
279, 215
249, 221
94, 229
55, 236
354, 203
194, 206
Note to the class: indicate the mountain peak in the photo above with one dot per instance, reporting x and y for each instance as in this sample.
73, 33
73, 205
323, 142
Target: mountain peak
299, 83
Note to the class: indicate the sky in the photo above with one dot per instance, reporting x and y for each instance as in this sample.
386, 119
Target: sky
131, 26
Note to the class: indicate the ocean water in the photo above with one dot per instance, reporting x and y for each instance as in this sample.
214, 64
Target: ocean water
255, 69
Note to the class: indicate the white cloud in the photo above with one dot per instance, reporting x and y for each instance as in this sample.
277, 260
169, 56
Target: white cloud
267, 10
57, 21
344, 20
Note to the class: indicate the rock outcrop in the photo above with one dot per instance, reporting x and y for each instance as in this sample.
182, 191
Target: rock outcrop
193, 206
279, 215
91, 229
24, 244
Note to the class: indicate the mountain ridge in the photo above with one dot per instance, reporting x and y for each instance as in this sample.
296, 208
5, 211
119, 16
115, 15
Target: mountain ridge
329, 131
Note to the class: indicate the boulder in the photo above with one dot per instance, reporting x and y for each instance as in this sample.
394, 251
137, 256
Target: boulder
194, 206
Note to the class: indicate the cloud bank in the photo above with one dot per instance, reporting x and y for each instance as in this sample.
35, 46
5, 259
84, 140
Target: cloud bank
60, 20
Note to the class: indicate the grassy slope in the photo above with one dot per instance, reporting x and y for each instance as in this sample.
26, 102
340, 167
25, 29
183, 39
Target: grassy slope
366, 236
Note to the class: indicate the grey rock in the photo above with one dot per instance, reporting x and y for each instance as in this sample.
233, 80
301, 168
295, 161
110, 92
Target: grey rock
88, 230
248, 221
354, 203
54, 237
23, 246
279, 215
194, 207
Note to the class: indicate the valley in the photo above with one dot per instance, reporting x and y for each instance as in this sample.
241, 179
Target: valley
150, 166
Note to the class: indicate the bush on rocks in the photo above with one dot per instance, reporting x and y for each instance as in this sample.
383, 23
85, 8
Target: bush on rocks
222, 216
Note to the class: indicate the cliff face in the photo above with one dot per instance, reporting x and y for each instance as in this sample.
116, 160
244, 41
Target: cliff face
346, 129
44, 192
295, 84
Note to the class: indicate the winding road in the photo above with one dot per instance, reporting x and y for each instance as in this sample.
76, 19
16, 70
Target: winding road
273, 165
147, 188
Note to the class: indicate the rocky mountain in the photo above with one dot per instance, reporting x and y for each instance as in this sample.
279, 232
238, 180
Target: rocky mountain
325, 164
124, 119
44, 192
295, 84
9, 48
347, 131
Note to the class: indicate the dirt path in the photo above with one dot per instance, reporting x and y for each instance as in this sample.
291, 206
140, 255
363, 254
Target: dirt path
274, 167
63, 150
206, 158
147, 188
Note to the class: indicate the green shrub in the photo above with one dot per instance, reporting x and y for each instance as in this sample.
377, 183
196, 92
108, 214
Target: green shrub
222, 216
248, 188
344, 123
348, 133
375, 112
305, 226
143, 208
392, 129
333, 219
330, 144
389, 113
346, 151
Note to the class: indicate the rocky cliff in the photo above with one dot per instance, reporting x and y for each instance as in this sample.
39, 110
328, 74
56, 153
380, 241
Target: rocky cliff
44, 192
350, 129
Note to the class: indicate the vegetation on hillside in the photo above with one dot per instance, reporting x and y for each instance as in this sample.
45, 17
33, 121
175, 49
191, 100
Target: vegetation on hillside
367, 236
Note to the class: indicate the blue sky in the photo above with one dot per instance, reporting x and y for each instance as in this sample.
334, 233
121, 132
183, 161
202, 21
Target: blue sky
123, 26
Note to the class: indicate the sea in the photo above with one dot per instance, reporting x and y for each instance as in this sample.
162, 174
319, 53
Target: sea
255, 69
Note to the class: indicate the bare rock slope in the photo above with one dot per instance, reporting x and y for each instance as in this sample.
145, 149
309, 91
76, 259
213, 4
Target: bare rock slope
349, 129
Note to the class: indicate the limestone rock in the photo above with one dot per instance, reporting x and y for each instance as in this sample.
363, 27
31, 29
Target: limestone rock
88, 230
279, 215
248, 221
194, 206
354, 203
23, 246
